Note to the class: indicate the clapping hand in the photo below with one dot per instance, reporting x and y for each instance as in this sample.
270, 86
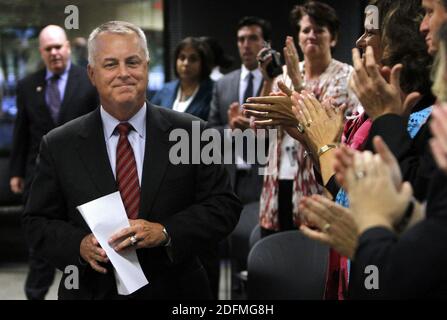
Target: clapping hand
293, 64
344, 159
336, 225
379, 89
322, 123
272, 110
236, 119
374, 198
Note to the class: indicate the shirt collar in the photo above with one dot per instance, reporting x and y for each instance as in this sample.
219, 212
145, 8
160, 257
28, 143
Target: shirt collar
64, 74
256, 73
138, 122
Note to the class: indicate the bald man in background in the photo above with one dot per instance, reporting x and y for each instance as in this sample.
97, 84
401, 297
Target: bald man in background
46, 99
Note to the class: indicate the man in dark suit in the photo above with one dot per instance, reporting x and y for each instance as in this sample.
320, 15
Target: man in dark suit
174, 210
231, 91
46, 99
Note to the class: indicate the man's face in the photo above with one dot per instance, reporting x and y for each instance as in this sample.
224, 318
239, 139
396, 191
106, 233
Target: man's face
435, 16
54, 49
250, 41
119, 72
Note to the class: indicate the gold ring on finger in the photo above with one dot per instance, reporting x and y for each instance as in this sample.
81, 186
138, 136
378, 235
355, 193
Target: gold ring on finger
300, 128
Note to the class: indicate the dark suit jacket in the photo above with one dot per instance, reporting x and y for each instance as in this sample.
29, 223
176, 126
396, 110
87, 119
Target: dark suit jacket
414, 155
34, 118
412, 266
200, 105
194, 202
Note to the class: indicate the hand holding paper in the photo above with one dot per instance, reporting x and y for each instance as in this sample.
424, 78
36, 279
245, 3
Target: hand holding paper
106, 216
92, 253
146, 235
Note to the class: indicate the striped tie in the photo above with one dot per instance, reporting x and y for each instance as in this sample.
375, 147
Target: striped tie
126, 172
54, 97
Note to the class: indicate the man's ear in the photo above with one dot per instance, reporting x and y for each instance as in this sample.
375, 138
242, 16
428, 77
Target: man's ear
91, 74
68, 47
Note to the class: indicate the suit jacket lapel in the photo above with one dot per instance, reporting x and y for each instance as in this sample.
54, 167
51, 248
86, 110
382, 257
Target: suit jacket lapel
260, 88
195, 105
40, 102
234, 86
173, 94
70, 89
93, 152
156, 158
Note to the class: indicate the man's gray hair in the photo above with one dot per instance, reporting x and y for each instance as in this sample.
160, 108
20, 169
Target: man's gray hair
117, 27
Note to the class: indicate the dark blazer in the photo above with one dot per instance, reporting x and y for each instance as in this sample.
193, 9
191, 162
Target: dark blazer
200, 105
412, 266
34, 118
194, 202
414, 155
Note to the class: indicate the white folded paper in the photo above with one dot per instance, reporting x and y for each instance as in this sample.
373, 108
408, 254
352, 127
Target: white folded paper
106, 216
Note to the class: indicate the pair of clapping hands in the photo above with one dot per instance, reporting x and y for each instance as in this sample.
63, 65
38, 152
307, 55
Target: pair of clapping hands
306, 119
378, 198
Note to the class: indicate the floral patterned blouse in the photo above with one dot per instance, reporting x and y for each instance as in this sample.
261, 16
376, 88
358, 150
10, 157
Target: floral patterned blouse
332, 83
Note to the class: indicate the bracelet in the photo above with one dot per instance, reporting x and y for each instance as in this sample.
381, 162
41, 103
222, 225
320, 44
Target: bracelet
326, 148
299, 89
400, 226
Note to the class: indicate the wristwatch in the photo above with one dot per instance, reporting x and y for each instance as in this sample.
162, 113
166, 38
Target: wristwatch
167, 241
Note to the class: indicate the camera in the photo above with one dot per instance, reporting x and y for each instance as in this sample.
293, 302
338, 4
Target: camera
274, 68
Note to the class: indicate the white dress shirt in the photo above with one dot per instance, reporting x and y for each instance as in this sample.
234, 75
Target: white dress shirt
137, 137
181, 106
243, 82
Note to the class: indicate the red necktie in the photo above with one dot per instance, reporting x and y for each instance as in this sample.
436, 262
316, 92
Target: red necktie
126, 172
